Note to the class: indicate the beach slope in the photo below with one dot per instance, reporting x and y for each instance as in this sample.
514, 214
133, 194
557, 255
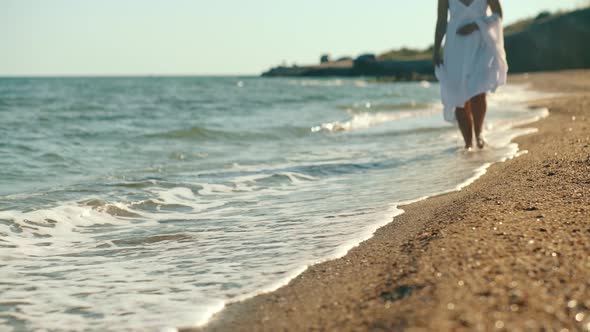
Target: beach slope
511, 251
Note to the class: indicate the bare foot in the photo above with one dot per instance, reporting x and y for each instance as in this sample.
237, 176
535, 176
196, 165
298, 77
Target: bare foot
481, 143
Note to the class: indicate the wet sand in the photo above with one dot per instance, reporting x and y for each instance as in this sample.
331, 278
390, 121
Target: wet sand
509, 252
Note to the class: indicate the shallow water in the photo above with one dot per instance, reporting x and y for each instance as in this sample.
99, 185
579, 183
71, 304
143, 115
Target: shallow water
149, 202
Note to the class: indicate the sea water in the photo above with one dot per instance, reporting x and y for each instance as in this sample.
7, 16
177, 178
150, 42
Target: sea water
142, 203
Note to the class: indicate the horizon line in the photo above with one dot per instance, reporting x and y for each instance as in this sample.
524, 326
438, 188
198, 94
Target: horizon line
3, 76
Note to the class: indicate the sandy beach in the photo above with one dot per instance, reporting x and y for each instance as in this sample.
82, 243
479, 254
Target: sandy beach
509, 252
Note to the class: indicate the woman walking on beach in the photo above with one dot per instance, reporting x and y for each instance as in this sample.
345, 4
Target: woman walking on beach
474, 61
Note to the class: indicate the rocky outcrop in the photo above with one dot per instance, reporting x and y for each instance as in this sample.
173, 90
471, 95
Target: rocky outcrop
551, 43
341, 67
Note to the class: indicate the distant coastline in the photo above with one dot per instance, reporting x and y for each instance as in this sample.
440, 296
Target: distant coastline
544, 43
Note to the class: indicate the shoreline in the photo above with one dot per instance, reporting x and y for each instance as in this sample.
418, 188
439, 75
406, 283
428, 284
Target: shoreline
394, 212
396, 279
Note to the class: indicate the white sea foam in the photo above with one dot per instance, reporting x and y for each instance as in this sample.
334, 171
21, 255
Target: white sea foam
59, 224
425, 84
328, 83
367, 120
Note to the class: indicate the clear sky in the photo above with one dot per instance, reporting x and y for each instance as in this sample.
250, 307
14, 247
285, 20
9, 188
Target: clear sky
148, 37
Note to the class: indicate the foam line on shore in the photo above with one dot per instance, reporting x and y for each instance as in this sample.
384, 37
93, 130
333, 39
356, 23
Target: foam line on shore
388, 217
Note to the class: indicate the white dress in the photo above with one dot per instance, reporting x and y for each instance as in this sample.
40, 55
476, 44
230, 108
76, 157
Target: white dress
472, 64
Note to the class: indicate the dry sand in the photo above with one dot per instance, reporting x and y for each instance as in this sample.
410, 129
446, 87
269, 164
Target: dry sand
509, 252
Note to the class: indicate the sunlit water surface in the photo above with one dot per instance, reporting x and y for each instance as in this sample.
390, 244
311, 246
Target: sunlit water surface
139, 203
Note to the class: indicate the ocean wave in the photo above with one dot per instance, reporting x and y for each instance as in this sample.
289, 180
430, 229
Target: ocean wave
328, 83
207, 134
147, 240
281, 178
367, 120
373, 106
320, 83
444, 128
56, 226
295, 174
66, 221
115, 210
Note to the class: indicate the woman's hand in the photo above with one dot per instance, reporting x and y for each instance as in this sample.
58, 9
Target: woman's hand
467, 29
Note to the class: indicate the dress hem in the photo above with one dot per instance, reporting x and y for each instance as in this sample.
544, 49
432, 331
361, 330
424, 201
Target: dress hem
453, 119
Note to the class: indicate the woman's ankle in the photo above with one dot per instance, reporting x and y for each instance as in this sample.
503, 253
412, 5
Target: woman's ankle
481, 142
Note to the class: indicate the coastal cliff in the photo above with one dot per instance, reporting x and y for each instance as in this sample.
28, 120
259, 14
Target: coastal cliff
547, 42
551, 43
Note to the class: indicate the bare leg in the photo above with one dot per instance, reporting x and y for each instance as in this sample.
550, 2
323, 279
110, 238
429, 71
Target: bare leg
465, 120
478, 109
